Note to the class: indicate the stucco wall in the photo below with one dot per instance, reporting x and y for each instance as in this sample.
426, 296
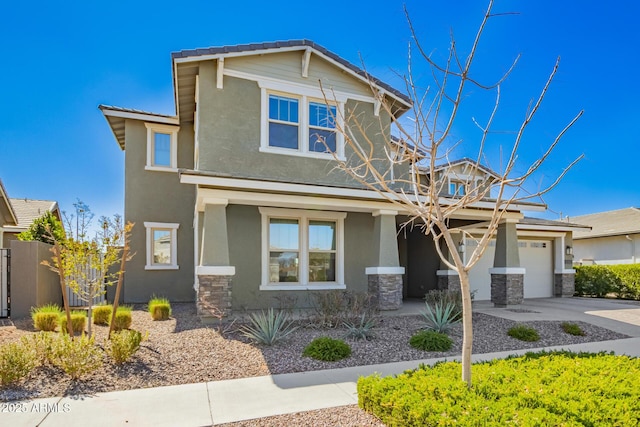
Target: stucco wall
607, 250
155, 196
244, 226
229, 136
32, 284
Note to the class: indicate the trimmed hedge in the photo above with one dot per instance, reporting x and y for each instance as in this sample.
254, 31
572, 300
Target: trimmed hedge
599, 280
557, 388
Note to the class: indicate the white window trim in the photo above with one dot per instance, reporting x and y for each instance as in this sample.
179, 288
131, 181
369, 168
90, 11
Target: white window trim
303, 97
173, 227
303, 216
153, 128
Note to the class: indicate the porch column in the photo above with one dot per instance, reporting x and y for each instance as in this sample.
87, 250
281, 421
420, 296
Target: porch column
385, 278
507, 277
564, 275
213, 271
449, 279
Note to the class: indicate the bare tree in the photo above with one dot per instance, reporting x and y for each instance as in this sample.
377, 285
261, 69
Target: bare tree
404, 172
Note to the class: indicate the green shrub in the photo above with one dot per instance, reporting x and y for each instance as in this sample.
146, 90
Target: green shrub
43, 344
78, 322
595, 280
123, 318
78, 356
572, 329
17, 360
45, 318
445, 297
268, 327
159, 308
523, 333
123, 344
441, 317
327, 349
629, 280
361, 330
430, 341
102, 314
549, 389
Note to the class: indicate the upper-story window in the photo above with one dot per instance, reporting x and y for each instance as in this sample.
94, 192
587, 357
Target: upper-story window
162, 147
456, 188
283, 122
300, 125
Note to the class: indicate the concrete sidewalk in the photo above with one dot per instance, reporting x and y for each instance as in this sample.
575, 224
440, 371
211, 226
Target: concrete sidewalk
219, 402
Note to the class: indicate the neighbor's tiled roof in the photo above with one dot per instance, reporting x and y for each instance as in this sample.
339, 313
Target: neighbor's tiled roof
611, 223
27, 210
217, 50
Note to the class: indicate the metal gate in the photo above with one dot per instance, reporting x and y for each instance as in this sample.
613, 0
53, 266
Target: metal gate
5, 282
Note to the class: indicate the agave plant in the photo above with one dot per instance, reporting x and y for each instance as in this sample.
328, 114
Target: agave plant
268, 327
361, 330
441, 317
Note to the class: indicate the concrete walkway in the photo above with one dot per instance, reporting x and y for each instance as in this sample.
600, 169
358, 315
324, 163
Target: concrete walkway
218, 402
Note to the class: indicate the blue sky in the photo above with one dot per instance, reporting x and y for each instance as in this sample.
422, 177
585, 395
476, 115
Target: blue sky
62, 59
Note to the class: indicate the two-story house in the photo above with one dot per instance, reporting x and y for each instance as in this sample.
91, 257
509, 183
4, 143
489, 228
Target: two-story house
237, 202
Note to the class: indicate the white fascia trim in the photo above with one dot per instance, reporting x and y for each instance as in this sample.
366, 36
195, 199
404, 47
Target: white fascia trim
142, 117
248, 184
382, 212
507, 270
318, 287
383, 270
171, 225
551, 228
447, 273
565, 271
217, 270
288, 49
291, 201
295, 213
11, 229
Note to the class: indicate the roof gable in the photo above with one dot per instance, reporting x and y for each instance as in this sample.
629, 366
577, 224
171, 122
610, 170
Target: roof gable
6, 209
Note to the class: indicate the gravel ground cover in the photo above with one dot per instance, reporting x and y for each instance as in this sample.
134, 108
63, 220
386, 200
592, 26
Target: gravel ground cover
181, 350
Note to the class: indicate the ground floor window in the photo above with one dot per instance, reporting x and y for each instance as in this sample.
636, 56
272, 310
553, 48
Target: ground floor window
162, 251
302, 249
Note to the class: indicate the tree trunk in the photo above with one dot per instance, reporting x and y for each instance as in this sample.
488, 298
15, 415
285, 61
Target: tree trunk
116, 299
467, 327
63, 286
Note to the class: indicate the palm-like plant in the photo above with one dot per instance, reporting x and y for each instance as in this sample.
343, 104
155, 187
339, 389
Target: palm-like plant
441, 317
268, 327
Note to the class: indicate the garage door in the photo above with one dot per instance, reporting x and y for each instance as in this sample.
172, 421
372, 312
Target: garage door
536, 256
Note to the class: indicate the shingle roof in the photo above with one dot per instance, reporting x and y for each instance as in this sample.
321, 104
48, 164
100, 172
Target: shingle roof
611, 223
27, 210
527, 220
217, 50
7, 209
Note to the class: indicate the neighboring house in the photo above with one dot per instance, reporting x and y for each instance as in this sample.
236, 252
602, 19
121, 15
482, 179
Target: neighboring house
8, 217
236, 205
614, 237
26, 211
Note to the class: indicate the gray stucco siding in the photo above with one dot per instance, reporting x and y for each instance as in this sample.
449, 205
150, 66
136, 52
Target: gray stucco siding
245, 254
229, 136
155, 196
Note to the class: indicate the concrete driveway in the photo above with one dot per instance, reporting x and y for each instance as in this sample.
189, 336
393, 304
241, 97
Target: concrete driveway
617, 315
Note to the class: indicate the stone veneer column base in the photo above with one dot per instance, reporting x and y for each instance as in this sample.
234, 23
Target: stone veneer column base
386, 290
448, 280
507, 289
213, 299
564, 284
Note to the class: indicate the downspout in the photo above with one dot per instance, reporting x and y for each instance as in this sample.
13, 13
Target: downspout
633, 248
